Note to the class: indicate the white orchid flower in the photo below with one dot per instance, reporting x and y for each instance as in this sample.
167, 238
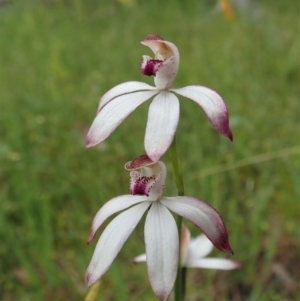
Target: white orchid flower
161, 235
194, 251
116, 104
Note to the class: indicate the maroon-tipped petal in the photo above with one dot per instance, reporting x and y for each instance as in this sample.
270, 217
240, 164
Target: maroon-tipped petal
213, 105
204, 216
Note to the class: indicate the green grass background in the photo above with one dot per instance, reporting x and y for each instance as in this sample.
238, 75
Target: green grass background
58, 57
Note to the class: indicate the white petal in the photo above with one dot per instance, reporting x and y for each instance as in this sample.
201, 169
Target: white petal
213, 263
203, 216
113, 114
140, 258
121, 89
200, 246
111, 207
112, 240
212, 104
162, 122
162, 247
184, 244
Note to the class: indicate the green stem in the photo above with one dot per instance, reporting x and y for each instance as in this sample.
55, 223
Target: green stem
176, 168
178, 178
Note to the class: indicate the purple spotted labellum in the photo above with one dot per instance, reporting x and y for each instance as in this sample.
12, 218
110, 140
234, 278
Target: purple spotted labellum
149, 67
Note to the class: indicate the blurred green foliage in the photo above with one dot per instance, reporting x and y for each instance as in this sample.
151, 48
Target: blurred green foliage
58, 57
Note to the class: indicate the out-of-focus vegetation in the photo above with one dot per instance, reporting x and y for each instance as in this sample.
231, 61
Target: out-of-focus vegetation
58, 57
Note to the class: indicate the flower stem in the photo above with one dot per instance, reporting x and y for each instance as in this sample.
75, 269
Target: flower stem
176, 168
178, 178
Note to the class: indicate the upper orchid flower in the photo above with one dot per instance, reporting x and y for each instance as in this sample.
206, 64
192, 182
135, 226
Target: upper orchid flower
116, 104
161, 235
194, 251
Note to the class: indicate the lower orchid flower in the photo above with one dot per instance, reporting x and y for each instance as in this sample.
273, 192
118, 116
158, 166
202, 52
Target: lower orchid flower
193, 254
161, 235
163, 116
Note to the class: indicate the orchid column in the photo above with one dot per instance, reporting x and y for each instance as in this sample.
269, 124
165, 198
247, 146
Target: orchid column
148, 183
